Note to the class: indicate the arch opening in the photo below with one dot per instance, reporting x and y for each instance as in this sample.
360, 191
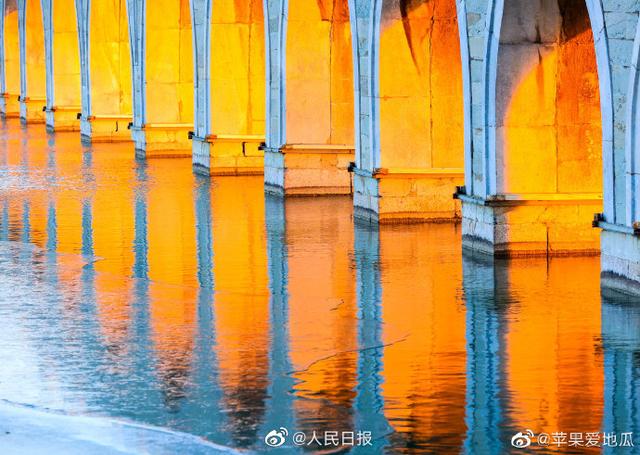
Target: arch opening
319, 121
168, 103
33, 83
110, 71
11, 45
65, 103
237, 71
421, 155
548, 119
544, 155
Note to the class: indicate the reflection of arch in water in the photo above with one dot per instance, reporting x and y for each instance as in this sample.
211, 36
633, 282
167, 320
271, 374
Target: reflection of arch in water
429, 363
322, 318
105, 70
242, 304
529, 367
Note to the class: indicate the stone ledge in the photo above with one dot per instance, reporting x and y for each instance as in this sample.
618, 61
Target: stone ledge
520, 229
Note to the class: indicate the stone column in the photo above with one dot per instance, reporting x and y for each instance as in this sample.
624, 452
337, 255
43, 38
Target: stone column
365, 26
82, 16
275, 18
201, 25
3, 76
136, 15
618, 35
47, 21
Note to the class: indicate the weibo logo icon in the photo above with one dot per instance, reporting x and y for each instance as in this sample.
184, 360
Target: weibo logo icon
275, 438
522, 440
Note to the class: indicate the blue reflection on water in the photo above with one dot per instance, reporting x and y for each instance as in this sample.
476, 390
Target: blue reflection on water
79, 347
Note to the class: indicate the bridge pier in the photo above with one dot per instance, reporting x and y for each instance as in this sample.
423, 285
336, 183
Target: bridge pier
620, 260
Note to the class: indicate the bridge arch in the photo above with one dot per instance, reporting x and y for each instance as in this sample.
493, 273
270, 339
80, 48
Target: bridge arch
162, 69
230, 53
410, 110
310, 139
10, 59
105, 70
536, 149
62, 65
32, 61
550, 63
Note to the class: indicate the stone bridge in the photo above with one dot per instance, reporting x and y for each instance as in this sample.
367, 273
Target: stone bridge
515, 117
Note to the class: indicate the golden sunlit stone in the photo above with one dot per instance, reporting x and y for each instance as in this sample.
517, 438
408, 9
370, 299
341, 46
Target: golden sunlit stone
421, 118
66, 69
548, 138
110, 72
169, 78
11, 107
32, 100
319, 92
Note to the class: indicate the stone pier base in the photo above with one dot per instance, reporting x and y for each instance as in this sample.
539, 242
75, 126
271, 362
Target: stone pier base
407, 195
309, 170
165, 140
31, 110
620, 260
531, 225
62, 118
228, 154
105, 128
9, 106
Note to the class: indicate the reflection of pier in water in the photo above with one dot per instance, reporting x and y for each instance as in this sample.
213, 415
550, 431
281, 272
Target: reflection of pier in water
211, 309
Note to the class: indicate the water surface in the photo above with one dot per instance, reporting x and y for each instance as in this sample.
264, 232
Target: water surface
140, 291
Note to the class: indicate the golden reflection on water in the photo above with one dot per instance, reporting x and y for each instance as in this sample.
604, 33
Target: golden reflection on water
215, 310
